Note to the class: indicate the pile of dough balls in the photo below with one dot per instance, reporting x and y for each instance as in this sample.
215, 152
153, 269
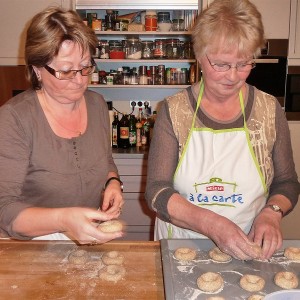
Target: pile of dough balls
114, 270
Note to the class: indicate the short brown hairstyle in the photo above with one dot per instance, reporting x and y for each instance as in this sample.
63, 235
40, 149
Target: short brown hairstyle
46, 33
228, 24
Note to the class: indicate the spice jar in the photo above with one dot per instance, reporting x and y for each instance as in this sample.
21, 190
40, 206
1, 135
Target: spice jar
188, 50
134, 48
160, 76
104, 49
172, 48
147, 49
150, 20
177, 25
116, 50
164, 23
143, 77
160, 49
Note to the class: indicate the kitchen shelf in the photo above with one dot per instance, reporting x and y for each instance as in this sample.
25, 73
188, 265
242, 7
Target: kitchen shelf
144, 33
139, 86
146, 61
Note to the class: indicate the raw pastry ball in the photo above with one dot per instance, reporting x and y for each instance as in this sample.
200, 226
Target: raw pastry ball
292, 253
185, 254
210, 282
78, 257
252, 283
112, 273
217, 255
286, 280
113, 258
111, 226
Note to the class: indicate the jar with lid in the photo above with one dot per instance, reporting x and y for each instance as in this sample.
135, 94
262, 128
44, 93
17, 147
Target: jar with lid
102, 77
160, 75
119, 76
160, 48
97, 51
188, 52
104, 49
163, 21
150, 20
178, 25
134, 48
116, 50
172, 48
147, 49
143, 77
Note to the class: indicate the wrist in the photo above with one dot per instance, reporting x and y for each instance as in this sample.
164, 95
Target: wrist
109, 180
275, 208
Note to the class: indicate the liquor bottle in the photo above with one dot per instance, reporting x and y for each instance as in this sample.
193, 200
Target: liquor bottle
114, 133
132, 131
124, 132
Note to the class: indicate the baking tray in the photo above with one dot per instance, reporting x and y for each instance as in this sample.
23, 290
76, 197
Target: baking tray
180, 277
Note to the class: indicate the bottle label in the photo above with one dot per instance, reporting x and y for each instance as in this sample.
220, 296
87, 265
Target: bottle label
132, 137
114, 136
124, 132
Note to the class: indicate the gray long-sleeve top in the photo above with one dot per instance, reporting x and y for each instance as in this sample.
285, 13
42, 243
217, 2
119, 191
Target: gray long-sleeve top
41, 169
165, 148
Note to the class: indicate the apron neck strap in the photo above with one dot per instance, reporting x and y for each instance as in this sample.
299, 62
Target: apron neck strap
200, 98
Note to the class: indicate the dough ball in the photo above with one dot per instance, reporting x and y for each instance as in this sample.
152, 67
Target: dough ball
210, 282
252, 283
217, 255
111, 226
113, 258
78, 257
185, 254
112, 273
292, 253
286, 280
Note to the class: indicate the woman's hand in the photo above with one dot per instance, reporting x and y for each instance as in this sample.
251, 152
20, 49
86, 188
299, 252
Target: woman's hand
113, 199
266, 232
81, 224
231, 239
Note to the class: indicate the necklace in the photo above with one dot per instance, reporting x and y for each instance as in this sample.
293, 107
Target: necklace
78, 131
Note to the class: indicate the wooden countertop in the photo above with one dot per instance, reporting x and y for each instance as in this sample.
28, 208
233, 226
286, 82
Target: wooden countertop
41, 270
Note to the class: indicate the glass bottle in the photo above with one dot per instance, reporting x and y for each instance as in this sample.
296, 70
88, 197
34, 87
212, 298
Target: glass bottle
124, 132
119, 76
143, 77
132, 131
114, 133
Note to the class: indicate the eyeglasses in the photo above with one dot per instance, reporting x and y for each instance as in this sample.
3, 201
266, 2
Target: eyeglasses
66, 75
240, 67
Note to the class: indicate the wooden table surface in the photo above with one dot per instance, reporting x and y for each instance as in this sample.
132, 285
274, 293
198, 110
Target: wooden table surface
41, 270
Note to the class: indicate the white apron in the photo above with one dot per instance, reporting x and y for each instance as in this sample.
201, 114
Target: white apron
218, 171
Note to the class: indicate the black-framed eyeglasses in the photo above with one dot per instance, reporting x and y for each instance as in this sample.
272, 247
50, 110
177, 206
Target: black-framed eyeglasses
67, 75
240, 67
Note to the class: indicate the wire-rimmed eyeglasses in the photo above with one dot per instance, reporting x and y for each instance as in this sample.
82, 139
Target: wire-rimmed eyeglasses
240, 67
70, 74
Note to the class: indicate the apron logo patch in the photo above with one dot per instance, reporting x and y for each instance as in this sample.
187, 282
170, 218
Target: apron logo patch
208, 193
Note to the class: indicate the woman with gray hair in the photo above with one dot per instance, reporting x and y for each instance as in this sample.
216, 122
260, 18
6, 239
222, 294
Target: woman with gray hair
220, 162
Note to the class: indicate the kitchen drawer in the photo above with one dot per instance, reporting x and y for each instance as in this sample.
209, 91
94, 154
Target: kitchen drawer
131, 166
136, 211
134, 184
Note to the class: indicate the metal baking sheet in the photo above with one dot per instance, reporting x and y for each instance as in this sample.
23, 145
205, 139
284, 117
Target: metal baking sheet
180, 278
